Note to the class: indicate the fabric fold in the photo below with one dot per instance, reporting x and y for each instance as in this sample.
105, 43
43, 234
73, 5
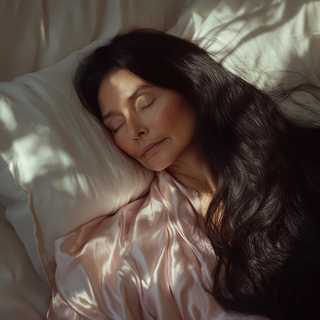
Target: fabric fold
147, 261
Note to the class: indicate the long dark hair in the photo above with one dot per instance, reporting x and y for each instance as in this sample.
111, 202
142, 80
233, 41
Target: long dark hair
267, 238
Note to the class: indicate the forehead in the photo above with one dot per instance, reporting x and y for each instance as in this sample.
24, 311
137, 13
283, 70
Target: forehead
117, 87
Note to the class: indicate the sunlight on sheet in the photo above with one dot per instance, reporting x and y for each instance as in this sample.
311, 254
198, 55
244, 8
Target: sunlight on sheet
36, 157
6, 114
43, 32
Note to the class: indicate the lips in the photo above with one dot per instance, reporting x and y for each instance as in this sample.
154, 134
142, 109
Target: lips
150, 148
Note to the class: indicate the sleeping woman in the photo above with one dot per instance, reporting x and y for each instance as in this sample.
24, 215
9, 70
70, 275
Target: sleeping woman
231, 226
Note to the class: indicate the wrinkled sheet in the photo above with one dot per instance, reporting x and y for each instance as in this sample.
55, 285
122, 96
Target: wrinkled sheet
147, 261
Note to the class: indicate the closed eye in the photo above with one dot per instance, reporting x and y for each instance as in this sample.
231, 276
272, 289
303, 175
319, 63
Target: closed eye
115, 130
148, 105
115, 126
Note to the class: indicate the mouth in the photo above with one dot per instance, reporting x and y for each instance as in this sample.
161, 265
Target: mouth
150, 148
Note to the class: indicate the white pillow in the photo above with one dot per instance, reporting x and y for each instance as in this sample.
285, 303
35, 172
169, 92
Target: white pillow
60, 169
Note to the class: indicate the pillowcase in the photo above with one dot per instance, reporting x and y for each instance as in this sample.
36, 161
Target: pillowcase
60, 169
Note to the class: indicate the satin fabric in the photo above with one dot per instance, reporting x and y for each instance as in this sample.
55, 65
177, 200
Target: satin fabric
147, 261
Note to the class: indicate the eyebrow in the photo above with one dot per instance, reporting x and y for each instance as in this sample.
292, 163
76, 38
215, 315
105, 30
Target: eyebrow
130, 98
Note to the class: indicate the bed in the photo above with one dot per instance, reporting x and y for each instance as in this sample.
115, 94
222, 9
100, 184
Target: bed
58, 168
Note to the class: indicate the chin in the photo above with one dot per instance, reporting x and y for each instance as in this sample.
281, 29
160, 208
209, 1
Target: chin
156, 165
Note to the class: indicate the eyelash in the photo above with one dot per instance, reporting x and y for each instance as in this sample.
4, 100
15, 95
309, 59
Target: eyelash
149, 105
115, 131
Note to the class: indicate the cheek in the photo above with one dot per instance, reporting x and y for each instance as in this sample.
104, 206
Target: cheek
123, 144
165, 119
177, 120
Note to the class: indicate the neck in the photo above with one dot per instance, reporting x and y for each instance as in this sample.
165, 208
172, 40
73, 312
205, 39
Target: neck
193, 173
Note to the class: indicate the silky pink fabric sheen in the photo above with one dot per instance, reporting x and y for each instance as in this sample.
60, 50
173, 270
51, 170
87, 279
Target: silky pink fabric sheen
147, 261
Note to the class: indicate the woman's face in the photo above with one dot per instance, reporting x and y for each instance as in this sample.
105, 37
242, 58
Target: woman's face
153, 125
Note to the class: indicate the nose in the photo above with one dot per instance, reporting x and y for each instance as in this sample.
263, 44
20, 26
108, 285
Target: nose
136, 128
